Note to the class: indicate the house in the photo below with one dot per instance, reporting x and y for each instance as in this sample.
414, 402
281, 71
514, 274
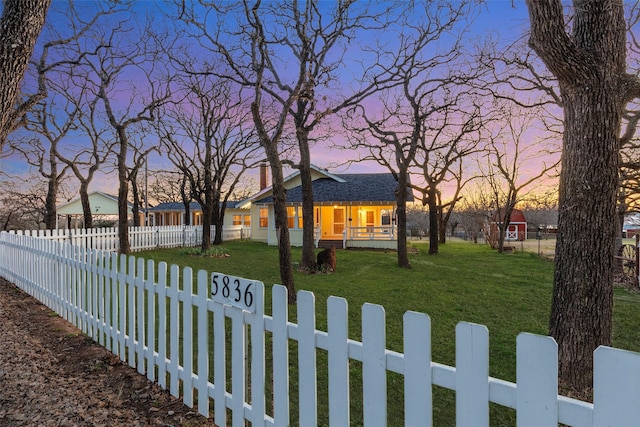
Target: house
173, 213
516, 230
350, 210
102, 205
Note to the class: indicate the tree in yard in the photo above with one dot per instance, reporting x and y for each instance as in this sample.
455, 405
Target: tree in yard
20, 25
316, 38
105, 69
588, 58
414, 128
42, 150
246, 54
206, 137
54, 110
515, 165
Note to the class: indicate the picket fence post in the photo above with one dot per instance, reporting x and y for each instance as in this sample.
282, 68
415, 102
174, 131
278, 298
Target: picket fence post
616, 387
374, 366
472, 375
280, 338
338, 348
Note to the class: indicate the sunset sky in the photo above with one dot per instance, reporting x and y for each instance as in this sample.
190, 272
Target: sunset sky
504, 20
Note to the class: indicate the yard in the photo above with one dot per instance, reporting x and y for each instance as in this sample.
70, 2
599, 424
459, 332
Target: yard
509, 293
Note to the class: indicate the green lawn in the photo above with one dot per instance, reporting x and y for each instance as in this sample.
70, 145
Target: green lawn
509, 293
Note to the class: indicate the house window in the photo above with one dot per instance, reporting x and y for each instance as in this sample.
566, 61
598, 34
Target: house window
369, 221
294, 216
386, 217
291, 214
247, 220
338, 220
237, 220
264, 217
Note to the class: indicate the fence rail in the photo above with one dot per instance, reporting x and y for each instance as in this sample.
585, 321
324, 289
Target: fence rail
190, 333
140, 238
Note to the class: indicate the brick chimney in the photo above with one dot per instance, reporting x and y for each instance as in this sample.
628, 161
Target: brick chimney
263, 175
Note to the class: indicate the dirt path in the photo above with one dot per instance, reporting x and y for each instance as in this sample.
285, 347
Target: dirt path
53, 375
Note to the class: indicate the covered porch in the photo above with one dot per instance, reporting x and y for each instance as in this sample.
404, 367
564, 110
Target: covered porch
347, 225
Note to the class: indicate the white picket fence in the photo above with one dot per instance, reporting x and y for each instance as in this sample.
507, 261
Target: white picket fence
140, 238
191, 334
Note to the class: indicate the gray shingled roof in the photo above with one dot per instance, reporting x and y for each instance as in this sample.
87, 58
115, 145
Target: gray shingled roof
364, 187
179, 206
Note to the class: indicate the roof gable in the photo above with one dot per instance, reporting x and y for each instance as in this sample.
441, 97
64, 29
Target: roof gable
100, 203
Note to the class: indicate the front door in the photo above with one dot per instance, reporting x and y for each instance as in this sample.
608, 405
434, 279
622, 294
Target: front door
512, 232
338, 221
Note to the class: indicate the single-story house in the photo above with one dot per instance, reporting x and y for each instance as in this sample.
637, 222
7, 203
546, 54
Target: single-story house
350, 210
173, 213
102, 205
517, 228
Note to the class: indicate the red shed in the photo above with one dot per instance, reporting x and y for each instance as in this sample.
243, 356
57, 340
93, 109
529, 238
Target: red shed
517, 229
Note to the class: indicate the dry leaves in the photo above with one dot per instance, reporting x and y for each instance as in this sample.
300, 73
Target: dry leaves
53, 375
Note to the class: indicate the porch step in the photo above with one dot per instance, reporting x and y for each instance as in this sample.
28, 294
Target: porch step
322, 244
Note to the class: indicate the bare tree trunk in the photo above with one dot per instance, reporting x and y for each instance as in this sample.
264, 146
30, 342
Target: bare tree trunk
186, 201
308, 261
123, 192
217, 220
52, 195
282, 226
86, 207
432, 201
402, 192
590, 67
135, 192
20, 26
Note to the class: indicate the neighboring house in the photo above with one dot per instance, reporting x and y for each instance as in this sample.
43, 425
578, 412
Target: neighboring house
173, 213
350, 210
101, 204
516, 230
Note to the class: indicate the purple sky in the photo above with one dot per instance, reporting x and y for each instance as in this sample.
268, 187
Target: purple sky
505, 20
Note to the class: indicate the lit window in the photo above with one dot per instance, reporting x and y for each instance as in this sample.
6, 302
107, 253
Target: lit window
237, 220
247, 220
264, 217
291, 216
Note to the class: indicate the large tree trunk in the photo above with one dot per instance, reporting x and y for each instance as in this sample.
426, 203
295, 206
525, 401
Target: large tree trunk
207, 215
123, 193
135, 192
433, 222
217, 219
282, 227
308, 261
583, 292
20, 26
402, 192
86, 206
590, 67
52, 194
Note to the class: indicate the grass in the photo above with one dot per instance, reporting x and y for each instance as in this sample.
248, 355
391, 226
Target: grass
509, 293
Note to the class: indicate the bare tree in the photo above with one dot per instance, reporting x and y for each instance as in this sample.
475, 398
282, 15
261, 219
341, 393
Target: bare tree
589, 60
516, 163
409, 131
140, 154
247, 55
116, 56
315, 39
42, 150
20, 25
211, 145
